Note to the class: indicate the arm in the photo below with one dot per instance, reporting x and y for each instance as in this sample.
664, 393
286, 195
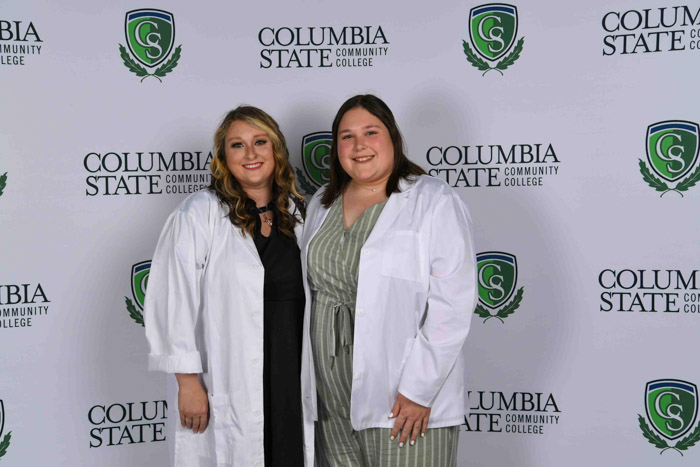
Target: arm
172, 311
451, 299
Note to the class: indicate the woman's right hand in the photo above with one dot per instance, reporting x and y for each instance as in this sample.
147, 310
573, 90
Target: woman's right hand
192, 402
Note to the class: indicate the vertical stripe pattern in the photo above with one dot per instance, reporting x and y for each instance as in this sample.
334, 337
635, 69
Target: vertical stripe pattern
333, 259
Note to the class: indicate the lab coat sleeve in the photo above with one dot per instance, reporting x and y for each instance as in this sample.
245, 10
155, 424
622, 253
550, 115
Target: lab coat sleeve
173, 295
452, 296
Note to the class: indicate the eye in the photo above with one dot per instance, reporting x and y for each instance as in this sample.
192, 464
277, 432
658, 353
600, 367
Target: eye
237, 145
260, 142
372, 132
346, 137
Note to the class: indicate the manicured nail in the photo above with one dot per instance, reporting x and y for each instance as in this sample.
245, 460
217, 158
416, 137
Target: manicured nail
412, 442
422, 435
391, 415
392, 437
400, 445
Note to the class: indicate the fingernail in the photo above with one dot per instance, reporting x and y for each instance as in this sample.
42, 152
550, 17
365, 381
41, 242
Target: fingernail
391, 415
412, 442
422, 435
400, 445
392, 437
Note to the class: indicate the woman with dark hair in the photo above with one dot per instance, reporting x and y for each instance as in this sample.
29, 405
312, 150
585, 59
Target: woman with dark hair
390, 281
224, 308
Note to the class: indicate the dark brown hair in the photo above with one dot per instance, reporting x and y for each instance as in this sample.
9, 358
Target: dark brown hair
403, 167
229, 190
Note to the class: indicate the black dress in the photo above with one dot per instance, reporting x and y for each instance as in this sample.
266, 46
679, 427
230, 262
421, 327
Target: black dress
283, 319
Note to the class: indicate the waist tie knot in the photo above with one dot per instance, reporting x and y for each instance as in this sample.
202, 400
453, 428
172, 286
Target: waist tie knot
342, 328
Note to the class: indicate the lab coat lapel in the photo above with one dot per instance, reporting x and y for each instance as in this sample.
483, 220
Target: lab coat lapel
247, 240
393, 207
314, 226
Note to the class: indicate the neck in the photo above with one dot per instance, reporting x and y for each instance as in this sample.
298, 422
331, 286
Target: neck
261, 196
371, 187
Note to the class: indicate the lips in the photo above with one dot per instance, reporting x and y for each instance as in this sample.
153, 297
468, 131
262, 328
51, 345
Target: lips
254, 166
363, 158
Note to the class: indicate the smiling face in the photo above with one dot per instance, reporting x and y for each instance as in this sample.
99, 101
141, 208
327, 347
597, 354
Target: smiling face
249, 155
365, 150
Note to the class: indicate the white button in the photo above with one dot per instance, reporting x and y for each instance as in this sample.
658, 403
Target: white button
256, 313
257, 413
255, 361
360, 312
258, 464
357, 376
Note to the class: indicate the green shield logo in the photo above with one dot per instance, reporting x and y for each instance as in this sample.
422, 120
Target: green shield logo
492, 29
672, 148
150, 35
316, 156
4, 442
139, 281
672, 406
498, 275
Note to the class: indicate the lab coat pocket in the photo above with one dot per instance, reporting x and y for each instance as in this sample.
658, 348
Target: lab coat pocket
221, 424
401, 256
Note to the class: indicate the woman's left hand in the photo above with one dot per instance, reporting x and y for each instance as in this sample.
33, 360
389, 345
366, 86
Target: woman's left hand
411, 419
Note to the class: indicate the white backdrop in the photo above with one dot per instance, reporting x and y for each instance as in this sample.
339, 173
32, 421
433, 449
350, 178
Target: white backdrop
75, 373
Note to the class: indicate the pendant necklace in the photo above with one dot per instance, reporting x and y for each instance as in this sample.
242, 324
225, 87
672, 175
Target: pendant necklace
263, 210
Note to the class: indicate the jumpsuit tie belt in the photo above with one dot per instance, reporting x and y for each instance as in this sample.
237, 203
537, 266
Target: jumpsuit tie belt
342, 325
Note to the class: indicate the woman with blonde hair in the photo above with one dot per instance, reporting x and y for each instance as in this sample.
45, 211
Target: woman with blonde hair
225, 303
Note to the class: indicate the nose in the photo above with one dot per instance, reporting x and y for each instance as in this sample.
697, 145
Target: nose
360, 143
249, 151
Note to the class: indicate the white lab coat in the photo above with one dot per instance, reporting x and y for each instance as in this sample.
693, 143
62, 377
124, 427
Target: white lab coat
415, 296
204, 314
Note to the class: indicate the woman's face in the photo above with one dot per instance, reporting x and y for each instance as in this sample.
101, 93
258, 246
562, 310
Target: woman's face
365, 150
249, 155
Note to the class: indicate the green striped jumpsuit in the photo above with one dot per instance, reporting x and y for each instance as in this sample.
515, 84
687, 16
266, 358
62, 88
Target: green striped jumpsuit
333, 259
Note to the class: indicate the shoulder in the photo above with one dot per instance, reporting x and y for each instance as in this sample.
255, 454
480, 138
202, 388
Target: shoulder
431, 195
297, 208
315, 202
430, 187
199, 204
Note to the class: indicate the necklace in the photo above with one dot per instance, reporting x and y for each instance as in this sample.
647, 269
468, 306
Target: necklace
373, 190
263, 210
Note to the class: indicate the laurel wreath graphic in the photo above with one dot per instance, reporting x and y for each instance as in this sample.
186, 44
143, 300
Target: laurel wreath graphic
503, 312
3, 182
5, 443
308, 187
690, 440
660, 185
482, 65
139, 70
133, 311
682, 445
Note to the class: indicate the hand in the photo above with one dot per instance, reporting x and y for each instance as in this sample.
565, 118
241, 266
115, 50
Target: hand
411, 418
193, 403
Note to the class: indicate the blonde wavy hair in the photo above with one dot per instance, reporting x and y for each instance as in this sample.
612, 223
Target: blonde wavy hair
229, 190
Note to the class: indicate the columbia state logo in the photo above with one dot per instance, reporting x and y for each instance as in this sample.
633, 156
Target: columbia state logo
493, 29
150, 36
315, 157
498, 278
5, 442
139, 282
671, 407
672, 162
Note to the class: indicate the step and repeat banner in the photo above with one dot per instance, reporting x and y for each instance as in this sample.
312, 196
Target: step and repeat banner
570, 129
